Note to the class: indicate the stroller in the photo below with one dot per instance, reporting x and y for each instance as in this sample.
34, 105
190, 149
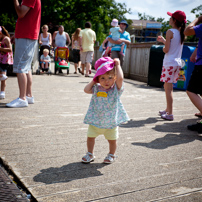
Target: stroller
61, 59
38, 71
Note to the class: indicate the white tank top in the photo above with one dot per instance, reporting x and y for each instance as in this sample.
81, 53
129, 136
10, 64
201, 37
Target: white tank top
45, 41
60, 39
173, 57
76, 45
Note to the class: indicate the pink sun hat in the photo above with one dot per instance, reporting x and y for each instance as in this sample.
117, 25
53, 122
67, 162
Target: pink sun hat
114, 22
103, 65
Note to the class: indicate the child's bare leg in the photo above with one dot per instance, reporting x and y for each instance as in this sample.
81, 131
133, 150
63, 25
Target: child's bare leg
90, 146
3, 83
112, 146
169, 97
122, 48
46, 65
42, 65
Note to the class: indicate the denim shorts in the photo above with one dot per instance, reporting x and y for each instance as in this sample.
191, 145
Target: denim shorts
24, 53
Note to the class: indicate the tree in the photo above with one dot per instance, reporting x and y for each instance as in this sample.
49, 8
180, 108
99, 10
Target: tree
72, 14
197, 11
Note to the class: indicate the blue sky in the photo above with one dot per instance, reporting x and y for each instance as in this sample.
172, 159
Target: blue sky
159, 8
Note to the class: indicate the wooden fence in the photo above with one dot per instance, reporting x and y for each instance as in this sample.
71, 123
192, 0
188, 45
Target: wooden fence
136, 62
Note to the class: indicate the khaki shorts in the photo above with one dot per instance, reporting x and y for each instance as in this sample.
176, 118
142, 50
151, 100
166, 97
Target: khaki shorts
110, 134
86, 57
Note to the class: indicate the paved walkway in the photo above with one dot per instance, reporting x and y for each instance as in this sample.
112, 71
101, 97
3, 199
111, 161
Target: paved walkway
43, 144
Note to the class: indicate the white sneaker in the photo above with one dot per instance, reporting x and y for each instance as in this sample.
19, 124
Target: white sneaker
2, 95
17, 103
30, 100
3, 77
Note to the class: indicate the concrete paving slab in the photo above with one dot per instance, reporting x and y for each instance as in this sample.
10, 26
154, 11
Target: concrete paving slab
43, 144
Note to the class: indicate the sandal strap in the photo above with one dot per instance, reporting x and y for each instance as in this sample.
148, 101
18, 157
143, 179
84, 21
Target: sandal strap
88, 158
110, 157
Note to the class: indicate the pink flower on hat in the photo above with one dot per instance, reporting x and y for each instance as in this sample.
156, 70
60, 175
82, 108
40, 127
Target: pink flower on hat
103, 65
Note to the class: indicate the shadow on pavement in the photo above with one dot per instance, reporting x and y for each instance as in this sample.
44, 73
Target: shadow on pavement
139, 123
182, 136
66, 173
3, 105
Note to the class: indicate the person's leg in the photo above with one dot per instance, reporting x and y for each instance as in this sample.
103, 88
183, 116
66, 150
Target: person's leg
42, 65
22, 83
112, 146
196, 100
75, 66
29, 84
122, 48
82, 68
46, 65
3, 83
169, 97
87, 68
90, 146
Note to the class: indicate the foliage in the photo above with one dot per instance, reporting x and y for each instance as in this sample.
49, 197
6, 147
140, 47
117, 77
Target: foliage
197, 11
72, 14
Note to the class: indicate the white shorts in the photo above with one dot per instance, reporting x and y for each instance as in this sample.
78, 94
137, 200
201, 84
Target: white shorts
24, 53
86, 57
170, 74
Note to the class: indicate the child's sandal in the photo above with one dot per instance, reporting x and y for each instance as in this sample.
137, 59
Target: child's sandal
110, 158
89, 158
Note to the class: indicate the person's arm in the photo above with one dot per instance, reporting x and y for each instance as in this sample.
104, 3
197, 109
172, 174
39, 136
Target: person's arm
53, 41
8, 44
50, 39
80, 43
119, 41
189, 30
68, 39
21, 10
169, 36
119, 73
89, 87
40, 42
193, 55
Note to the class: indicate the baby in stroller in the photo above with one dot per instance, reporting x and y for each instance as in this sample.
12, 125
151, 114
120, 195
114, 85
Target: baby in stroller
45, 60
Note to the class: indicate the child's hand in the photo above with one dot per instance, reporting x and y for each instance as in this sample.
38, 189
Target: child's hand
160, 39
116, 61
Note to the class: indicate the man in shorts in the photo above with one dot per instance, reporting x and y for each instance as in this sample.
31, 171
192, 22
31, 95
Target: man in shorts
194, 89
87, 38
26, 39
124, 37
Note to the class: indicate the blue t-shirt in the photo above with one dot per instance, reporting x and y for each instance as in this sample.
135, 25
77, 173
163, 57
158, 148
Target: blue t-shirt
105, 109
198, 32
117, 47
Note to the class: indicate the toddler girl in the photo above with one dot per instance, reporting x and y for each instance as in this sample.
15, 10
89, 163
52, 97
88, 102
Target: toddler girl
172, 59
115, 32
105, 111
6, 58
